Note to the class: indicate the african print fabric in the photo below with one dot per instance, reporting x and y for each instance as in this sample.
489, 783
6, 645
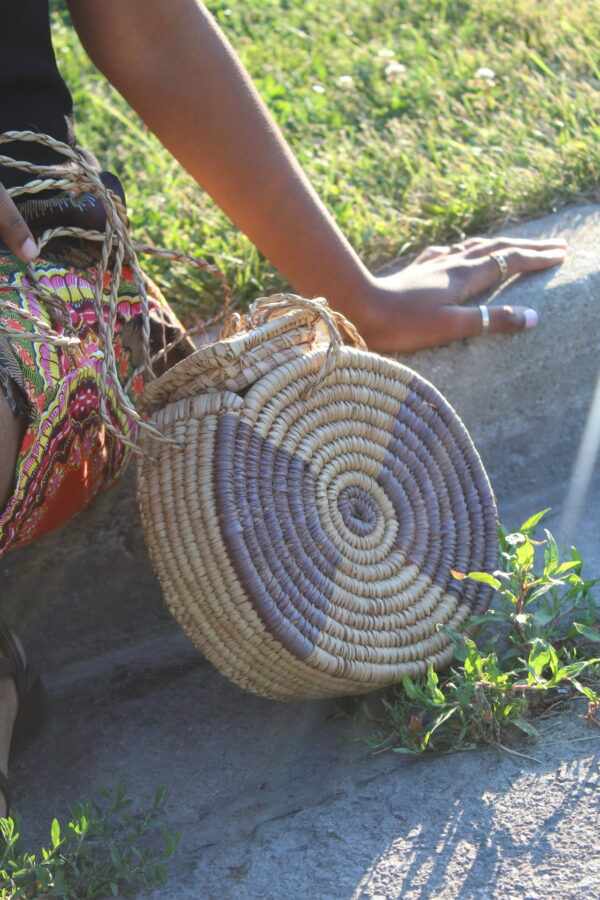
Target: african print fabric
67, 455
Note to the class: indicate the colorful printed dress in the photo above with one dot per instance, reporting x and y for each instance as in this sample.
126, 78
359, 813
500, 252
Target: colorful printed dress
67, 455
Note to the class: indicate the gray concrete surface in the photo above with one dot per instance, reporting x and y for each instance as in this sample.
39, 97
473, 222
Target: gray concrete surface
525, 398
272, 800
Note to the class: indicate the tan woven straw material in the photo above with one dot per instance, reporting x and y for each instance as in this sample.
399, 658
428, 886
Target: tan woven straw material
303, 504
305, 528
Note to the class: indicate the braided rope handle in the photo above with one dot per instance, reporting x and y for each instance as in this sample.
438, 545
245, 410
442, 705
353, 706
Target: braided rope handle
264, 309
118, 249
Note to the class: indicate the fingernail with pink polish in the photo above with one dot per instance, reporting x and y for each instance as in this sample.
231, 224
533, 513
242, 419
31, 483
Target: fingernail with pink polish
531, 318
29, 250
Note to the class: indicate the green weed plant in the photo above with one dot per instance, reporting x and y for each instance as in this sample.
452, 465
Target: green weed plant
104, 850
539, 646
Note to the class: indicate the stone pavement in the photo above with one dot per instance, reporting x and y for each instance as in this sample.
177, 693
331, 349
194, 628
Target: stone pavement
272, 800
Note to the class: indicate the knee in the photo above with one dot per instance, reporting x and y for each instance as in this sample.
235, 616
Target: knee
11, 435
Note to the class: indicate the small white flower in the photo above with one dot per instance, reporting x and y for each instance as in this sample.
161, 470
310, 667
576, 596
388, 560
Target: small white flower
394, 69
318, 89
346, 82
485, 72
385, 53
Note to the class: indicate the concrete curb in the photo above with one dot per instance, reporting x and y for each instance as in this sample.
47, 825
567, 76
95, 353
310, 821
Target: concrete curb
271, 798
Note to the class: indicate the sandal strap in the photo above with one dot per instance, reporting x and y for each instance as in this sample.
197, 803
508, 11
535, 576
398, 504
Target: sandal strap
5, 789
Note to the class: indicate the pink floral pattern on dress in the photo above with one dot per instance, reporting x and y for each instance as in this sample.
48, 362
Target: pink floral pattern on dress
67, 456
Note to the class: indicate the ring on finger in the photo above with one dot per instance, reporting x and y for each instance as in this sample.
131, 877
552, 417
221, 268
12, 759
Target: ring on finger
500, 260
485, 318
458, 247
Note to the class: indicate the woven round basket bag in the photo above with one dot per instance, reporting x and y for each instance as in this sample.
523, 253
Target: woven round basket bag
307, 505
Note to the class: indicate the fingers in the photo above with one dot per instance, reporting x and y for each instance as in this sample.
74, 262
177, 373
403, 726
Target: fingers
518, 260
476, 247
468, 321
429, 254
482, 272
520, 255
13, 230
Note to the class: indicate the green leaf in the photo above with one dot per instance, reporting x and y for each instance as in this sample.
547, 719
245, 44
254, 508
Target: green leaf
541, 656
590, 634
532, 521
55, 833
539, 592
576, 556
527, 727
486, 578
542, 617
525, 554
411, 689
565, 566
432, 684
551, 557
487, 618
591, 695
502, 532
443, 717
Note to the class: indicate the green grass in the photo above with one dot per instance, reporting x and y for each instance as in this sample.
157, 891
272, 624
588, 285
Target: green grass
402, 157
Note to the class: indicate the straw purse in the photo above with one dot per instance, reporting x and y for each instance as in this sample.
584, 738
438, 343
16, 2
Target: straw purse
305, 513
304, 503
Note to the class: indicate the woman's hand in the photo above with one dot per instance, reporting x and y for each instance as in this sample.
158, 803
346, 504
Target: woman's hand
13, 229
422, 305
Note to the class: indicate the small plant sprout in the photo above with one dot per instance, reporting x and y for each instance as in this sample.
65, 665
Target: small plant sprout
106, 849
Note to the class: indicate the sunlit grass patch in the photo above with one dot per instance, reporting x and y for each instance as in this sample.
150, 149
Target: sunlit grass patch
417, 122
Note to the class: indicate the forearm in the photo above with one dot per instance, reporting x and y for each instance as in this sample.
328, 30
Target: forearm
174, 66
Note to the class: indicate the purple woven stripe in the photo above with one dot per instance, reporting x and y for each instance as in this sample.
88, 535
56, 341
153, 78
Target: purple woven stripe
360, 512
309, 586
469, 485
481, 507
408, 463
262, 500
468, 511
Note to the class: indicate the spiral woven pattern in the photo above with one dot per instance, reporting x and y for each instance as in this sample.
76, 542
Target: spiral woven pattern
305, 541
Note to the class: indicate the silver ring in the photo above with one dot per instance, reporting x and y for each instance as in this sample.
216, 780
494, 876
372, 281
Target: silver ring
500, 259
485, 318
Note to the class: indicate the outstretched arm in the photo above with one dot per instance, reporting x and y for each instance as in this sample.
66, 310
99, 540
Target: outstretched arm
174, 66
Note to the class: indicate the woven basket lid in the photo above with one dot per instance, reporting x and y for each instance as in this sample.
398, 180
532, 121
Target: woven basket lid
235, 362
304, 533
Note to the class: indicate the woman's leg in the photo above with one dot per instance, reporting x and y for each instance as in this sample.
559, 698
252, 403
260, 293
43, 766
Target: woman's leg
11, 434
